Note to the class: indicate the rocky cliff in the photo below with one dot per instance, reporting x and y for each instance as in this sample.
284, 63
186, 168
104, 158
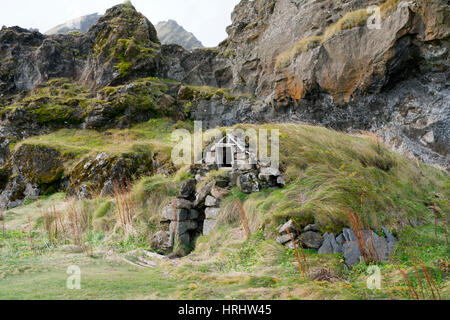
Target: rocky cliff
285, 60
170, 32
319, 62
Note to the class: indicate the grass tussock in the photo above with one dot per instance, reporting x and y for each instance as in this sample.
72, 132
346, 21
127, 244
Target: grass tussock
153, 193
244, 218
78, 222
389, 6
284, 59
301, 259
126, 208
2, 219
351, 20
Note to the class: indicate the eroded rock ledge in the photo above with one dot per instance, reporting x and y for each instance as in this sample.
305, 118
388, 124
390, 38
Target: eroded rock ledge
305, 61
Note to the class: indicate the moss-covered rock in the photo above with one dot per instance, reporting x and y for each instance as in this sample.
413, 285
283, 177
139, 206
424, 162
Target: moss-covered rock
57, 103
62, 103
98, 175
39, 165
124, 45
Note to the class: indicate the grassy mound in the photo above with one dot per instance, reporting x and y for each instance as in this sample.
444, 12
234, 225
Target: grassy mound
327, 173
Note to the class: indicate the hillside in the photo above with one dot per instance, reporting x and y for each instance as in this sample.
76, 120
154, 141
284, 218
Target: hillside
330, 171
89, 175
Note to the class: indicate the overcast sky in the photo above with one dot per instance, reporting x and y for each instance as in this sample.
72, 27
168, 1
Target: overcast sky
207, 19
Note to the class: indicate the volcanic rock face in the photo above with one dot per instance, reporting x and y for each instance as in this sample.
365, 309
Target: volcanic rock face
311, 61
29, 58
170, 32
319, 62
123, 44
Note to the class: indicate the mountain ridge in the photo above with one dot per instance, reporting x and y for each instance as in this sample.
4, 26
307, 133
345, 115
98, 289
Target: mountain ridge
80, 24
170, 32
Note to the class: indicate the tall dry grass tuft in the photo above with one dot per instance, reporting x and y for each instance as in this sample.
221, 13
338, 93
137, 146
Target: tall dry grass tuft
78, 222
366, 244
428, 290
436, 222
30, 234
2, 219
244, 218
54, 225
51, 224
301, 260
125, 205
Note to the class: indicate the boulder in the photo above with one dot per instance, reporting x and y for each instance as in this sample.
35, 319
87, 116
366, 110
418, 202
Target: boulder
161, 241
108, 189
248, 183
352, 254
330, 245
168, 214
208, 226
281, 182
180, 227
83, 192
13, 194
311, 227
349, 235
102, 171
285, 238
311, 240
187, 189
212, 213
182, 204
185, 93
389, 236
290, 225
377, 247
327, 247
219, 193
340, 239
202, 193
211, 201
391, 240
38, 164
